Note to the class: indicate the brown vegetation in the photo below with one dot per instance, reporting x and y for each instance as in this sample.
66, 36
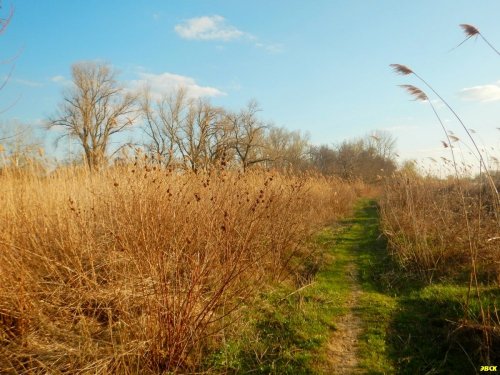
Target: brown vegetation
139, 269
431, 234
368, 159
449, 229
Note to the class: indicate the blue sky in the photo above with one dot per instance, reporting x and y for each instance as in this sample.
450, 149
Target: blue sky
319, 66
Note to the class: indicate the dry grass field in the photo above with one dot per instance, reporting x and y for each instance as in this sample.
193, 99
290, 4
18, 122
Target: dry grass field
150, 224
138, 269
436, 226
446, 233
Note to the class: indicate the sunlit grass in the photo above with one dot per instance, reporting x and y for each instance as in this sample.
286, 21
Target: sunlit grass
142, 269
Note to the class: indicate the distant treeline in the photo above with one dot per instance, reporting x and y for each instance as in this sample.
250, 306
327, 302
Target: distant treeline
181, 131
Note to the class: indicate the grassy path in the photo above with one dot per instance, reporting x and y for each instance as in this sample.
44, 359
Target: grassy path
343, 345
335, 323
356, 314
406, 326
362, 253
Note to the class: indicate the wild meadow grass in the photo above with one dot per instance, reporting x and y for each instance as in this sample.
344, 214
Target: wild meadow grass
138, 269
445, 234
429, 232
446, 231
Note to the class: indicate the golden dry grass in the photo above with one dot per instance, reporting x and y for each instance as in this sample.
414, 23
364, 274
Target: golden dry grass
448, 232
137, 269
434, 226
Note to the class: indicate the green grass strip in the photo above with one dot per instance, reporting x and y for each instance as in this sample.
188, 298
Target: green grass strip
407, 326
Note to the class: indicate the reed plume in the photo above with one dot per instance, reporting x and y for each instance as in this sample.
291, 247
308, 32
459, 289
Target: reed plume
472, 31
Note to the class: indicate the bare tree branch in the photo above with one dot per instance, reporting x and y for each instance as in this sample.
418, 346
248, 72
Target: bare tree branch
95, 109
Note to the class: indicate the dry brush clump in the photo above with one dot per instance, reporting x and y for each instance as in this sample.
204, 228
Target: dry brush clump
138, 269
448, 230
434, 226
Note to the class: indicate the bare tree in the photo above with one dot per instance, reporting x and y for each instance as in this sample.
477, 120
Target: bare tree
202, 138
162, 119
359, 158
94, 109
323, 159
4, 23
20, 147
383, 143
188, 129
286, 149
368, 158
248, 135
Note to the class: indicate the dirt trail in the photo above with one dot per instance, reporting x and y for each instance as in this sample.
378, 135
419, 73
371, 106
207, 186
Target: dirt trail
343, 345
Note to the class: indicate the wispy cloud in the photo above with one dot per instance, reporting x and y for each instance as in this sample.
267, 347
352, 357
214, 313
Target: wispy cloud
208, 28
482, 93
217, 28
61, 80
166, 83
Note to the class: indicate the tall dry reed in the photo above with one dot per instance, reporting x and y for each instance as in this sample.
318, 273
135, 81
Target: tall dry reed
473, 210
424, 220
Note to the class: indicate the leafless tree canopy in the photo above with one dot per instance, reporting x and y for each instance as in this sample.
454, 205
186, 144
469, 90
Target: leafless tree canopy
94, 109
198, 135
19, 147
4, 23
368, 159
184, 130
383, 142
248, 135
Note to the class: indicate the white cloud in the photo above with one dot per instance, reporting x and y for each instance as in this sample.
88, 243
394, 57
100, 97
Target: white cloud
57, 79
217, 28
208, 28
166, 83
481, 93
60, 80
